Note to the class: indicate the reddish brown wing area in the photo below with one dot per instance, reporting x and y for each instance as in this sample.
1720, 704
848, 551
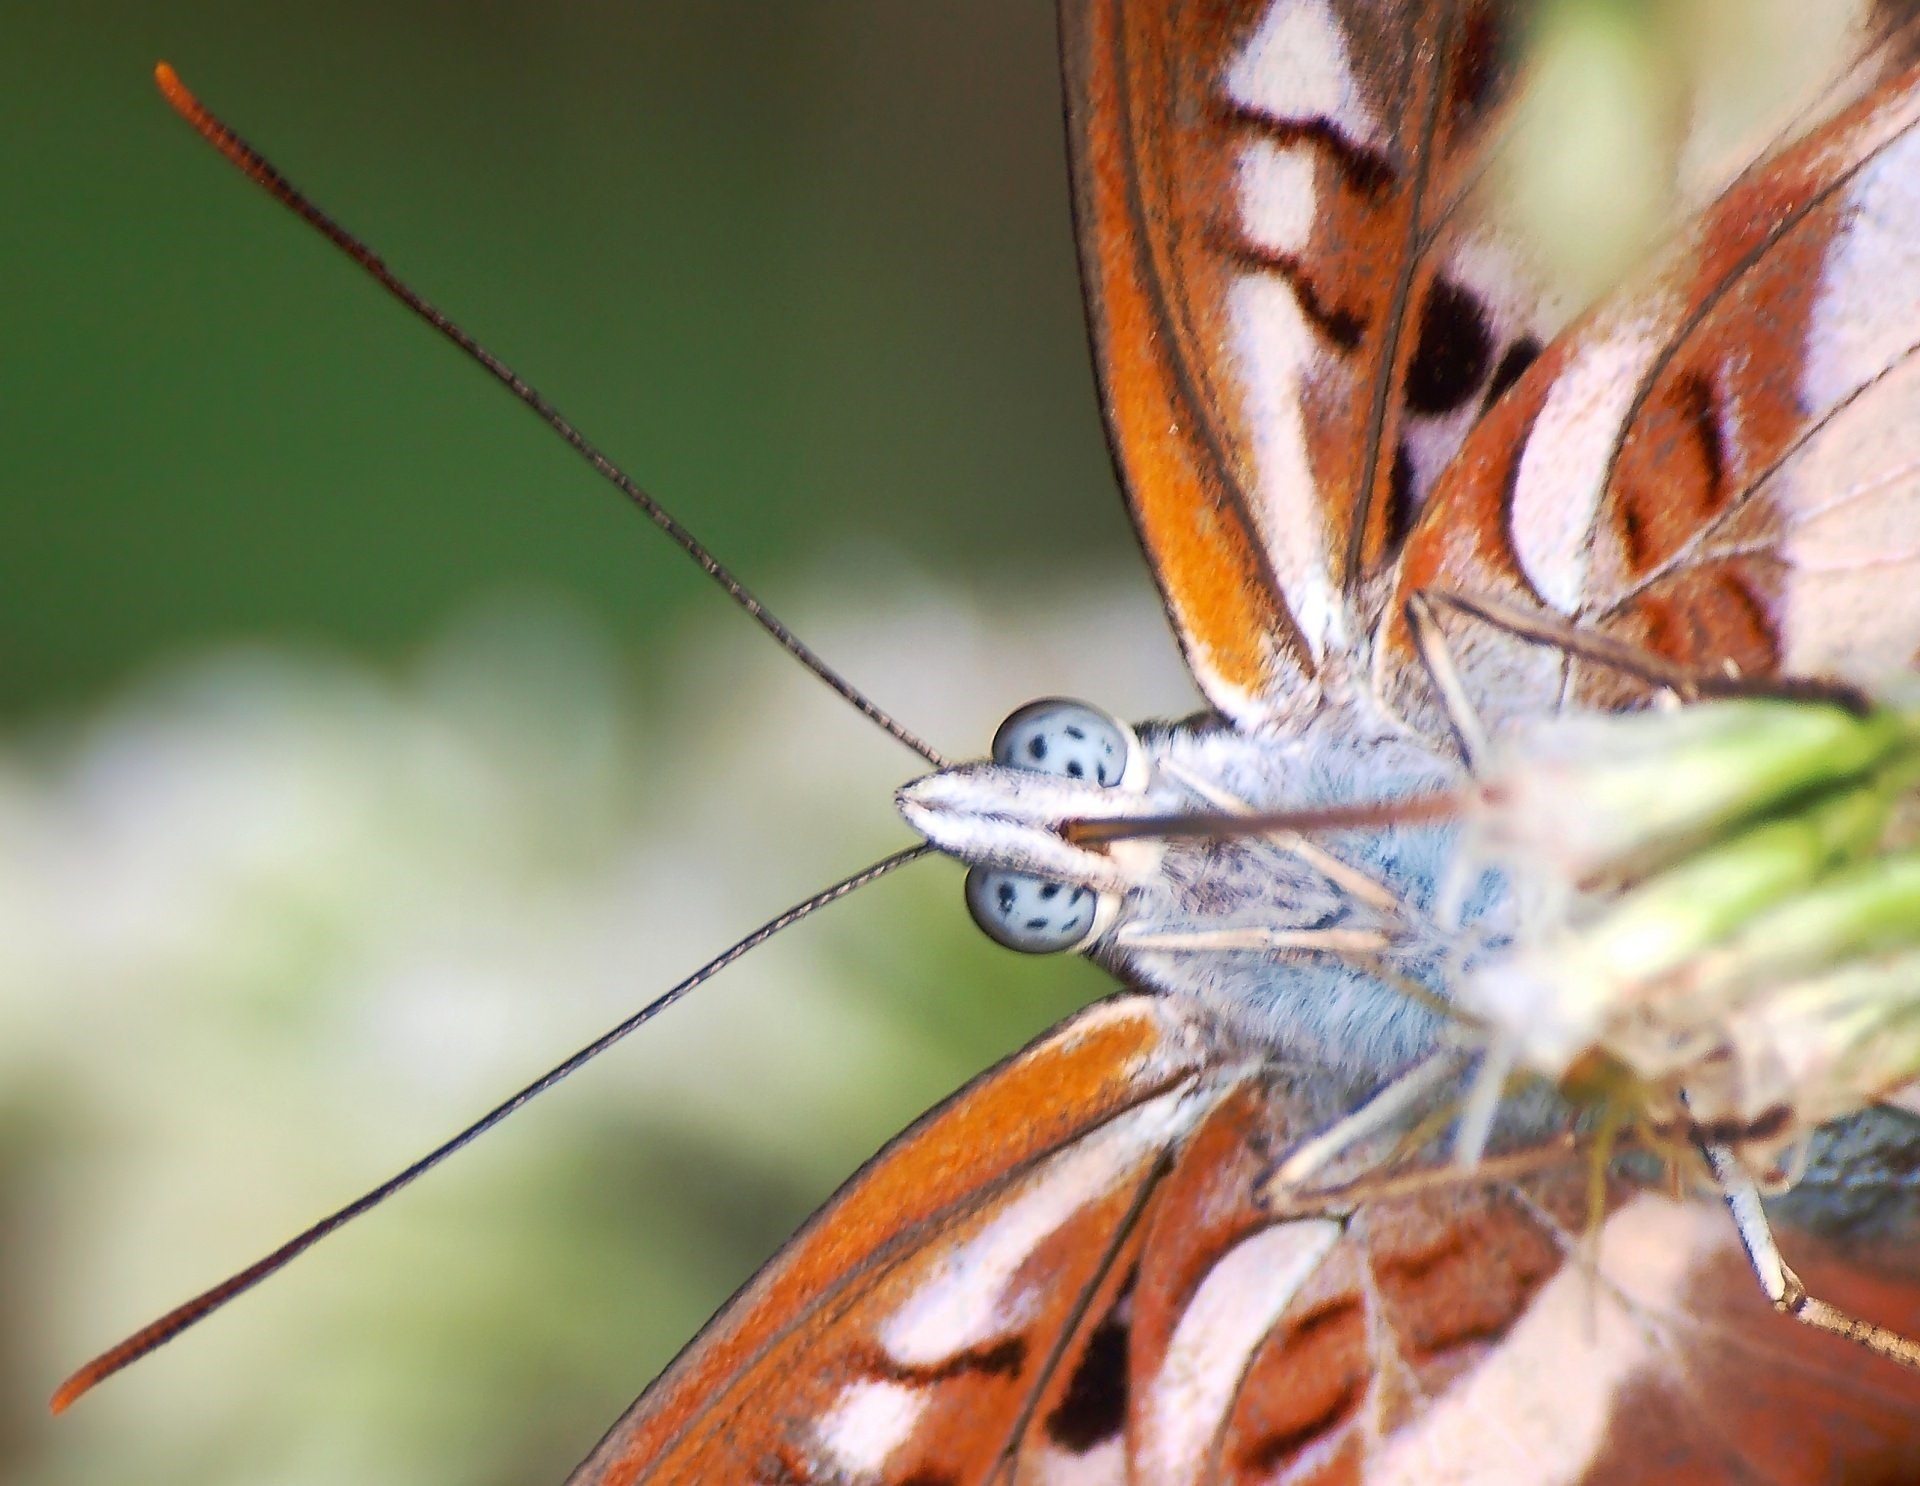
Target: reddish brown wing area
1292, 330
1722, 466
1457, 1334
1063, 1275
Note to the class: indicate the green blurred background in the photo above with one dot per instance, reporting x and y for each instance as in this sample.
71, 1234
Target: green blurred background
804, 264
362, 755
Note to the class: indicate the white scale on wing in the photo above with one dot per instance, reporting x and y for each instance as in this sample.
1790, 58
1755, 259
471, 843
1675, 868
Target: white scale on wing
868, 1422
1294, 68
1568, 458
1852, 496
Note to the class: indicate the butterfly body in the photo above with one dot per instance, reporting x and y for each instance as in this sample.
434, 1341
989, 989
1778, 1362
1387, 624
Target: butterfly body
1306, 1004
1177, 900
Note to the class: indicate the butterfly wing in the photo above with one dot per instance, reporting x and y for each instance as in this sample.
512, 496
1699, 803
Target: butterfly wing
1062, 1275
925, 1299
1722, 464
1293, 319
1472, 1333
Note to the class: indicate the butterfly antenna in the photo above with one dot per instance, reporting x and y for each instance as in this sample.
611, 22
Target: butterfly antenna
157, 1333
258, 168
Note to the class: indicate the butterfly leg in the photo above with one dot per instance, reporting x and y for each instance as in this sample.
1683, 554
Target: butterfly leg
1431, 642
1779, 1283
1342, 943
1385, 1109
1541, 628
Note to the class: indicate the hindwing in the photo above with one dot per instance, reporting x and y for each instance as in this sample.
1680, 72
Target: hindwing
1063, 1275
1720, 465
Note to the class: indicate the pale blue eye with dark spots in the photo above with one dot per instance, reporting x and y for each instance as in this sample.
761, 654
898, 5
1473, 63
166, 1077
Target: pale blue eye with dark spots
1060, 736
1072, 740
1030, 914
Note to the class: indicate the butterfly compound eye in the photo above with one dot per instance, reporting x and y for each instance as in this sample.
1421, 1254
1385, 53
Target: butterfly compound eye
1030, 914
1072, 739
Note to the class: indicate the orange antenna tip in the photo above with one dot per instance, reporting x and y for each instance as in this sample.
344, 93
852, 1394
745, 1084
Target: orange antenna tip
171, 88
85, 1378
68, 1392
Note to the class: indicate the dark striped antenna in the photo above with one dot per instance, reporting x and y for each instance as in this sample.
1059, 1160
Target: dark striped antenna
253, 164
259, 169
157, 1334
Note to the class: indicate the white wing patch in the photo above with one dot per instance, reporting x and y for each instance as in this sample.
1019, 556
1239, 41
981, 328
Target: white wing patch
1274, 186
1565, 466
1851, 498
1104, 1466
975, 1298
1869, 306
868, 1422
1274, 344
1234, 1309
1295, 67
1538, 1410
1852, 510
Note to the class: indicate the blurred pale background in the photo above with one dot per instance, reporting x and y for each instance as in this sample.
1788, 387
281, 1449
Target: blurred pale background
362, 756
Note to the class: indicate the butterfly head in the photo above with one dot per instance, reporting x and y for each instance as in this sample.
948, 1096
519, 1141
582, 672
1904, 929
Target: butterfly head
1053, 762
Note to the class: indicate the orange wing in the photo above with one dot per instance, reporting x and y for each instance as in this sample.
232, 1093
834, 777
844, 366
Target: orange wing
907, 1306
1721, 465
1294, 322
1061, 1276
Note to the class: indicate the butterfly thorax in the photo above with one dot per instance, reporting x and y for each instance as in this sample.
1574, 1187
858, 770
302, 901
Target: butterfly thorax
1281, 934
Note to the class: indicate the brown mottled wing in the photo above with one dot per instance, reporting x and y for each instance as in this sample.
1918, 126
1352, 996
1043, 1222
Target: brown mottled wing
1456, 1335
1294, 323
1061, 1276
1722, 464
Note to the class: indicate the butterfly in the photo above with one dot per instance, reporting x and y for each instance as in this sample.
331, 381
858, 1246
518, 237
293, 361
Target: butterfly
1333, 402
1328, 396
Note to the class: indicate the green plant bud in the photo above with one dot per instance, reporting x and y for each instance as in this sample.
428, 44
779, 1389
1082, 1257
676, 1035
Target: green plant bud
1868, 908
1621, 796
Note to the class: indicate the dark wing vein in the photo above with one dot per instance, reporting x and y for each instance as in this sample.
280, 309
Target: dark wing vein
1396, 317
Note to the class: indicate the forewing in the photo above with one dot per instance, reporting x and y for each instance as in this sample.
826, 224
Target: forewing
1294, 321
1722, 465
911, 1323
1064, 1275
